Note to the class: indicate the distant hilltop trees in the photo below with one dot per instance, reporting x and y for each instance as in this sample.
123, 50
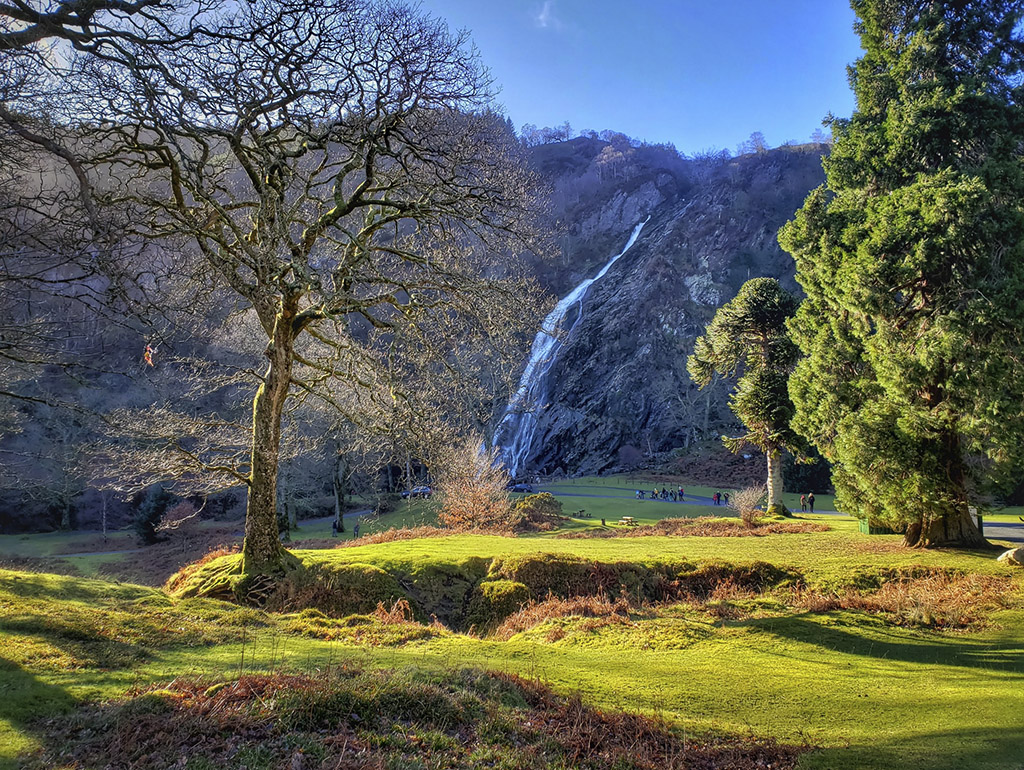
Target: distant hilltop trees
531, 136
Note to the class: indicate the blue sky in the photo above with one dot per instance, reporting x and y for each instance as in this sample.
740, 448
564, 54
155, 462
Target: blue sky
696, 73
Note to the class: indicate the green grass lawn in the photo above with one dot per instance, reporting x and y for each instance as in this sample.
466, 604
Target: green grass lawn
623, 487
868, 693
55, 543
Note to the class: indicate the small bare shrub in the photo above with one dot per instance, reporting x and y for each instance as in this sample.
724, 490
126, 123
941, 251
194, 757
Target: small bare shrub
472, 487
747, 503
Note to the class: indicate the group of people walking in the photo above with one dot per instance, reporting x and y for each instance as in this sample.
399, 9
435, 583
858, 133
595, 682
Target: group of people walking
676, 496
719, 498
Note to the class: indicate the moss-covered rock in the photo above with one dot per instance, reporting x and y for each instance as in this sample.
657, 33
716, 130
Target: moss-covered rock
444, 590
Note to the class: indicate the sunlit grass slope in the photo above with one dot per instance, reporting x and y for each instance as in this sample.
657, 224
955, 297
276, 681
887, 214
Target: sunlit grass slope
869, 692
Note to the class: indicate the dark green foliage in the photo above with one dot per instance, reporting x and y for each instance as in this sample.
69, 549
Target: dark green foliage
814, 476
538, 512
150, 513
913, 266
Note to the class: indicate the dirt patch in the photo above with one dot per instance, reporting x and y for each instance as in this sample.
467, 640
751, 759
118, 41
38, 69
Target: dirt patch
153, 565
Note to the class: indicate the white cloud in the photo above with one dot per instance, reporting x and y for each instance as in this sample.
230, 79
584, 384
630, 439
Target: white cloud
546, 18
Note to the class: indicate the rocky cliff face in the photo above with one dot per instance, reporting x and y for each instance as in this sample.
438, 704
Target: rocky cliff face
619, 387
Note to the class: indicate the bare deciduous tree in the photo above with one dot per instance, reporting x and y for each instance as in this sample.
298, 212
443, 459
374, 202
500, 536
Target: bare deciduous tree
333, 167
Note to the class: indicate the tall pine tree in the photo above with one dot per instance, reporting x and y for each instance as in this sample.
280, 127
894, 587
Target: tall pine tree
912, 258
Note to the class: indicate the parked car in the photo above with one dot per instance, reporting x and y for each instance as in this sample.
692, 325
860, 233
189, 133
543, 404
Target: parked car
424, 492
524, 488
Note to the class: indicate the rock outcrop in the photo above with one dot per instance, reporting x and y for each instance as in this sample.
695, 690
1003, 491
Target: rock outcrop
1013, 557
620, 382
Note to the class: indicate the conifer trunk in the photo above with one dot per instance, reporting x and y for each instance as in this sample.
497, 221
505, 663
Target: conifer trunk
262, 550
775, 486
953, 525
952, 528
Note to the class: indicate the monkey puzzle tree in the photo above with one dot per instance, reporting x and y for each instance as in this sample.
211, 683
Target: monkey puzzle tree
912, 258
748, 335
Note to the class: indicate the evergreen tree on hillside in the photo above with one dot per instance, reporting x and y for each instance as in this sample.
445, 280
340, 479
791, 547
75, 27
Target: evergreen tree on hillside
151, 513
749, 334
912, 258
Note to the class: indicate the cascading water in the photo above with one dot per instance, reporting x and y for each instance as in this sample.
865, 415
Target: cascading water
514, 435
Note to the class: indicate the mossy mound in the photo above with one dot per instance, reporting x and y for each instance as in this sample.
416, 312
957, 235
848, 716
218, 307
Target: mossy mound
495, 600
566, 576
225, 578
337, 589
443, 590
471, 592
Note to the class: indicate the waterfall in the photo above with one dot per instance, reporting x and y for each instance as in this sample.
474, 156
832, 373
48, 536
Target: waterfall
514, 435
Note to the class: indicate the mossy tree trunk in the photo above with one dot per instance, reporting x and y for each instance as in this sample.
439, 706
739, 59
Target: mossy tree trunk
262, 550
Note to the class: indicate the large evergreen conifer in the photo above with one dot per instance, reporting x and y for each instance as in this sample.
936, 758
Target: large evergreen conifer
912, 258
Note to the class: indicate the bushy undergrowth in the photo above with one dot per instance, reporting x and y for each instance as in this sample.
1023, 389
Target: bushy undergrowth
371, 719
704, 526
535, 613
537, 513
934, 600
386, 626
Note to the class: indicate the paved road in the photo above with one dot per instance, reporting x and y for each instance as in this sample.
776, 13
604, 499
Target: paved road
1012, 531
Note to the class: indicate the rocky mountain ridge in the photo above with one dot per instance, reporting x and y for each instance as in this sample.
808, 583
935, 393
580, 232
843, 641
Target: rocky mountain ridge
619, 389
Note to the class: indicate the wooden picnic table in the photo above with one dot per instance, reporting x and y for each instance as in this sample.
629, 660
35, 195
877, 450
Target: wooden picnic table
628, 521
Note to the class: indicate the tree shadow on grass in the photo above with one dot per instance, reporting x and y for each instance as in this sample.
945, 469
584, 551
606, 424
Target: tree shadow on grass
24, 700
968, 747
83, 647
871, 637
